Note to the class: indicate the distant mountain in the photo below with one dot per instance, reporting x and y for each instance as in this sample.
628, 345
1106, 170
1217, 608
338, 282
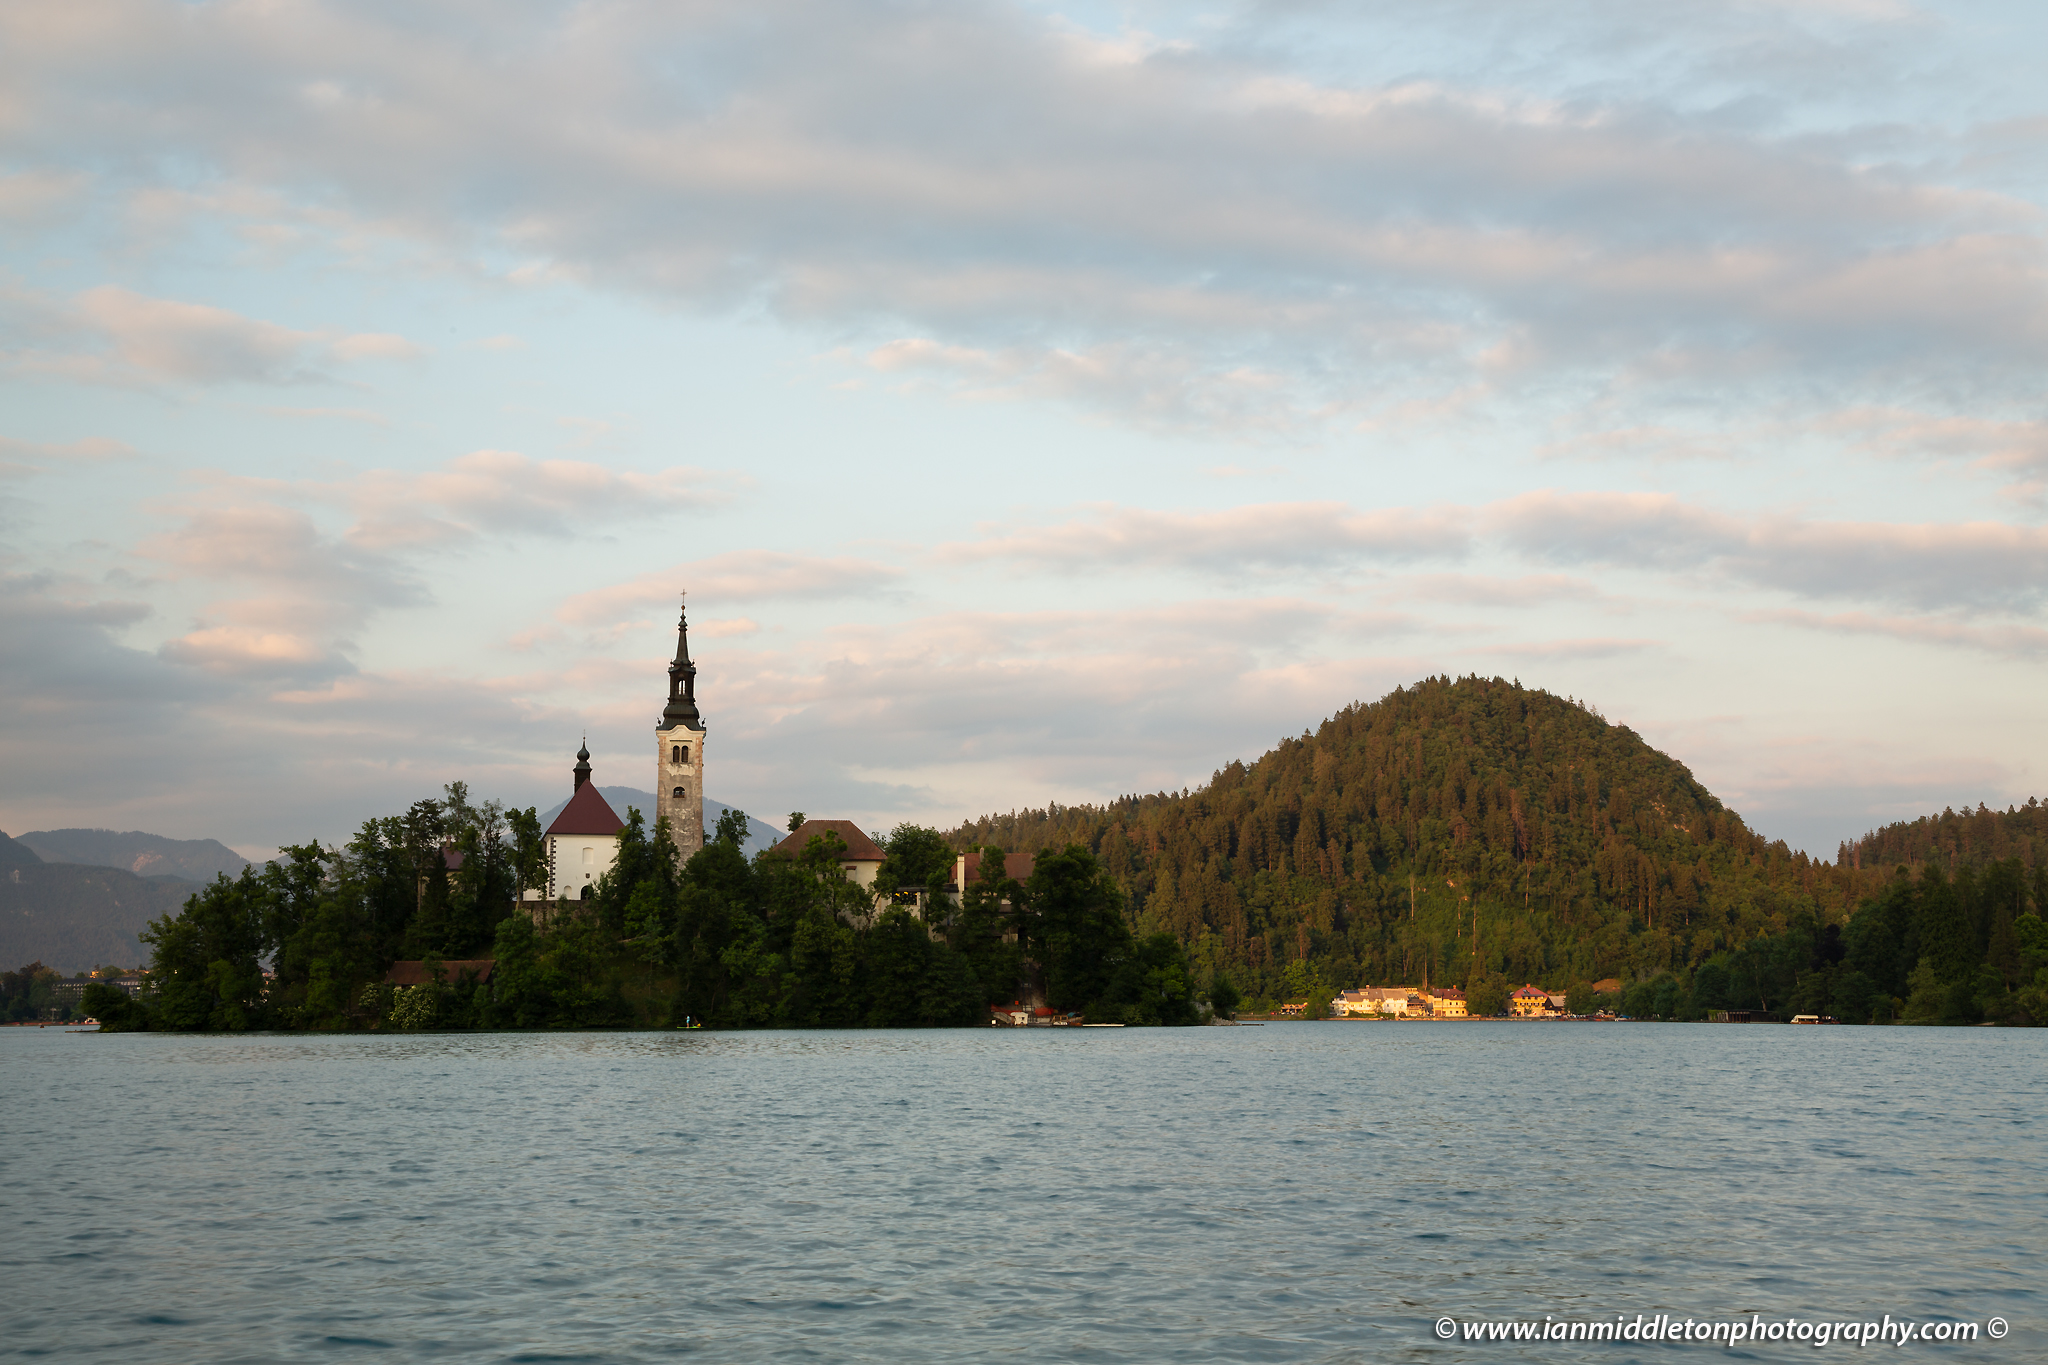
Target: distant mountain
760, 835
14, 853
146, 855
71, 916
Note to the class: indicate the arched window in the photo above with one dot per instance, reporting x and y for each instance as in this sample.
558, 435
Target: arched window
677, 792
675, 753
584, 895
682, 753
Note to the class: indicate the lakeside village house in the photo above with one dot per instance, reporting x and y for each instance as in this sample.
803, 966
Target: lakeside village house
1443, 1002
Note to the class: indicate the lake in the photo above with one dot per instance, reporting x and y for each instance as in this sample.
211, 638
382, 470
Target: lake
1296, 1192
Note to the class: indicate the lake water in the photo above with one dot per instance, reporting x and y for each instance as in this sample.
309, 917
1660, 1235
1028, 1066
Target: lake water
1297, 1192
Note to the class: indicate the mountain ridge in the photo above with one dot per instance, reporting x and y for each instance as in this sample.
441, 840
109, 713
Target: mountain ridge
72, 916
146, 855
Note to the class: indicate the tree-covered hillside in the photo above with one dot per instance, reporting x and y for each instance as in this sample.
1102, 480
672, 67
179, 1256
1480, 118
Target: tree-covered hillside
1473, 830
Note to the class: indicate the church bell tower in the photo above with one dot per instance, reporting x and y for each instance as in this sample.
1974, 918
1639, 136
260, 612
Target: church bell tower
679, 750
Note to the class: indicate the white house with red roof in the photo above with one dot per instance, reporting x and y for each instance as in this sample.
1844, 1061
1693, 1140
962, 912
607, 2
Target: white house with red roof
583, 841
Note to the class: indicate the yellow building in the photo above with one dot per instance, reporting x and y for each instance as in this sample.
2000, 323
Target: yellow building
1445, 1002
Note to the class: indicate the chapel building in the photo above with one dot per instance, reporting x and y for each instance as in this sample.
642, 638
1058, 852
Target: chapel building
582, 842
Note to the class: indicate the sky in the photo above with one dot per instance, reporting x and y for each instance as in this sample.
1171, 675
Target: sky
1037, 402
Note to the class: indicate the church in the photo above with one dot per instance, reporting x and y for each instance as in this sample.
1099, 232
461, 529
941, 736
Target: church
583, 841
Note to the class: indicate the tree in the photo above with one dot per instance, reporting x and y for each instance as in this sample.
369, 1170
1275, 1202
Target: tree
1223, 996
113, 1009
1153, 984
990, 902
529, 850
26, 993
1947, 942
1487, 996
203, 970
732, 827
1077, 930
914, 856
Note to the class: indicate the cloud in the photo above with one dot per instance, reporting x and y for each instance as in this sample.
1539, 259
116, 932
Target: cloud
1318, 535
36, 197
1967, 566
363, 415
1482, 590
1652, 443
111, 335
292, 593
87, 451
1158, 386
255, 651
740, 576
1599, 647
1190, 230
504, 492
272, 545
2005, 641
1979, 565
2014, 447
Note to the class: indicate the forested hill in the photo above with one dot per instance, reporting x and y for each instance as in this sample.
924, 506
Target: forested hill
1955, 839
1376, 848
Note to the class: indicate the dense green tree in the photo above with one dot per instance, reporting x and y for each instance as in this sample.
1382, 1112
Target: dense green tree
204, 972
113, 1008
1223, 996
916, 857
1153, 984
984, 931
1486, 996
27, 992
1074, 927
731, 827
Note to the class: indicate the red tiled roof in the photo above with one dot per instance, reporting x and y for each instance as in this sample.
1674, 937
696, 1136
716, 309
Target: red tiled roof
1016, 866
452, 971
587, 813
859, 848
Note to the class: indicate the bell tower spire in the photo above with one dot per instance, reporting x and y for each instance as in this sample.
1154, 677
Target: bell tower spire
679, 750
682, 680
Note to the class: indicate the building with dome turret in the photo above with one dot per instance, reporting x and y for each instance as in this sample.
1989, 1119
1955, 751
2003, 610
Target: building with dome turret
582, 842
